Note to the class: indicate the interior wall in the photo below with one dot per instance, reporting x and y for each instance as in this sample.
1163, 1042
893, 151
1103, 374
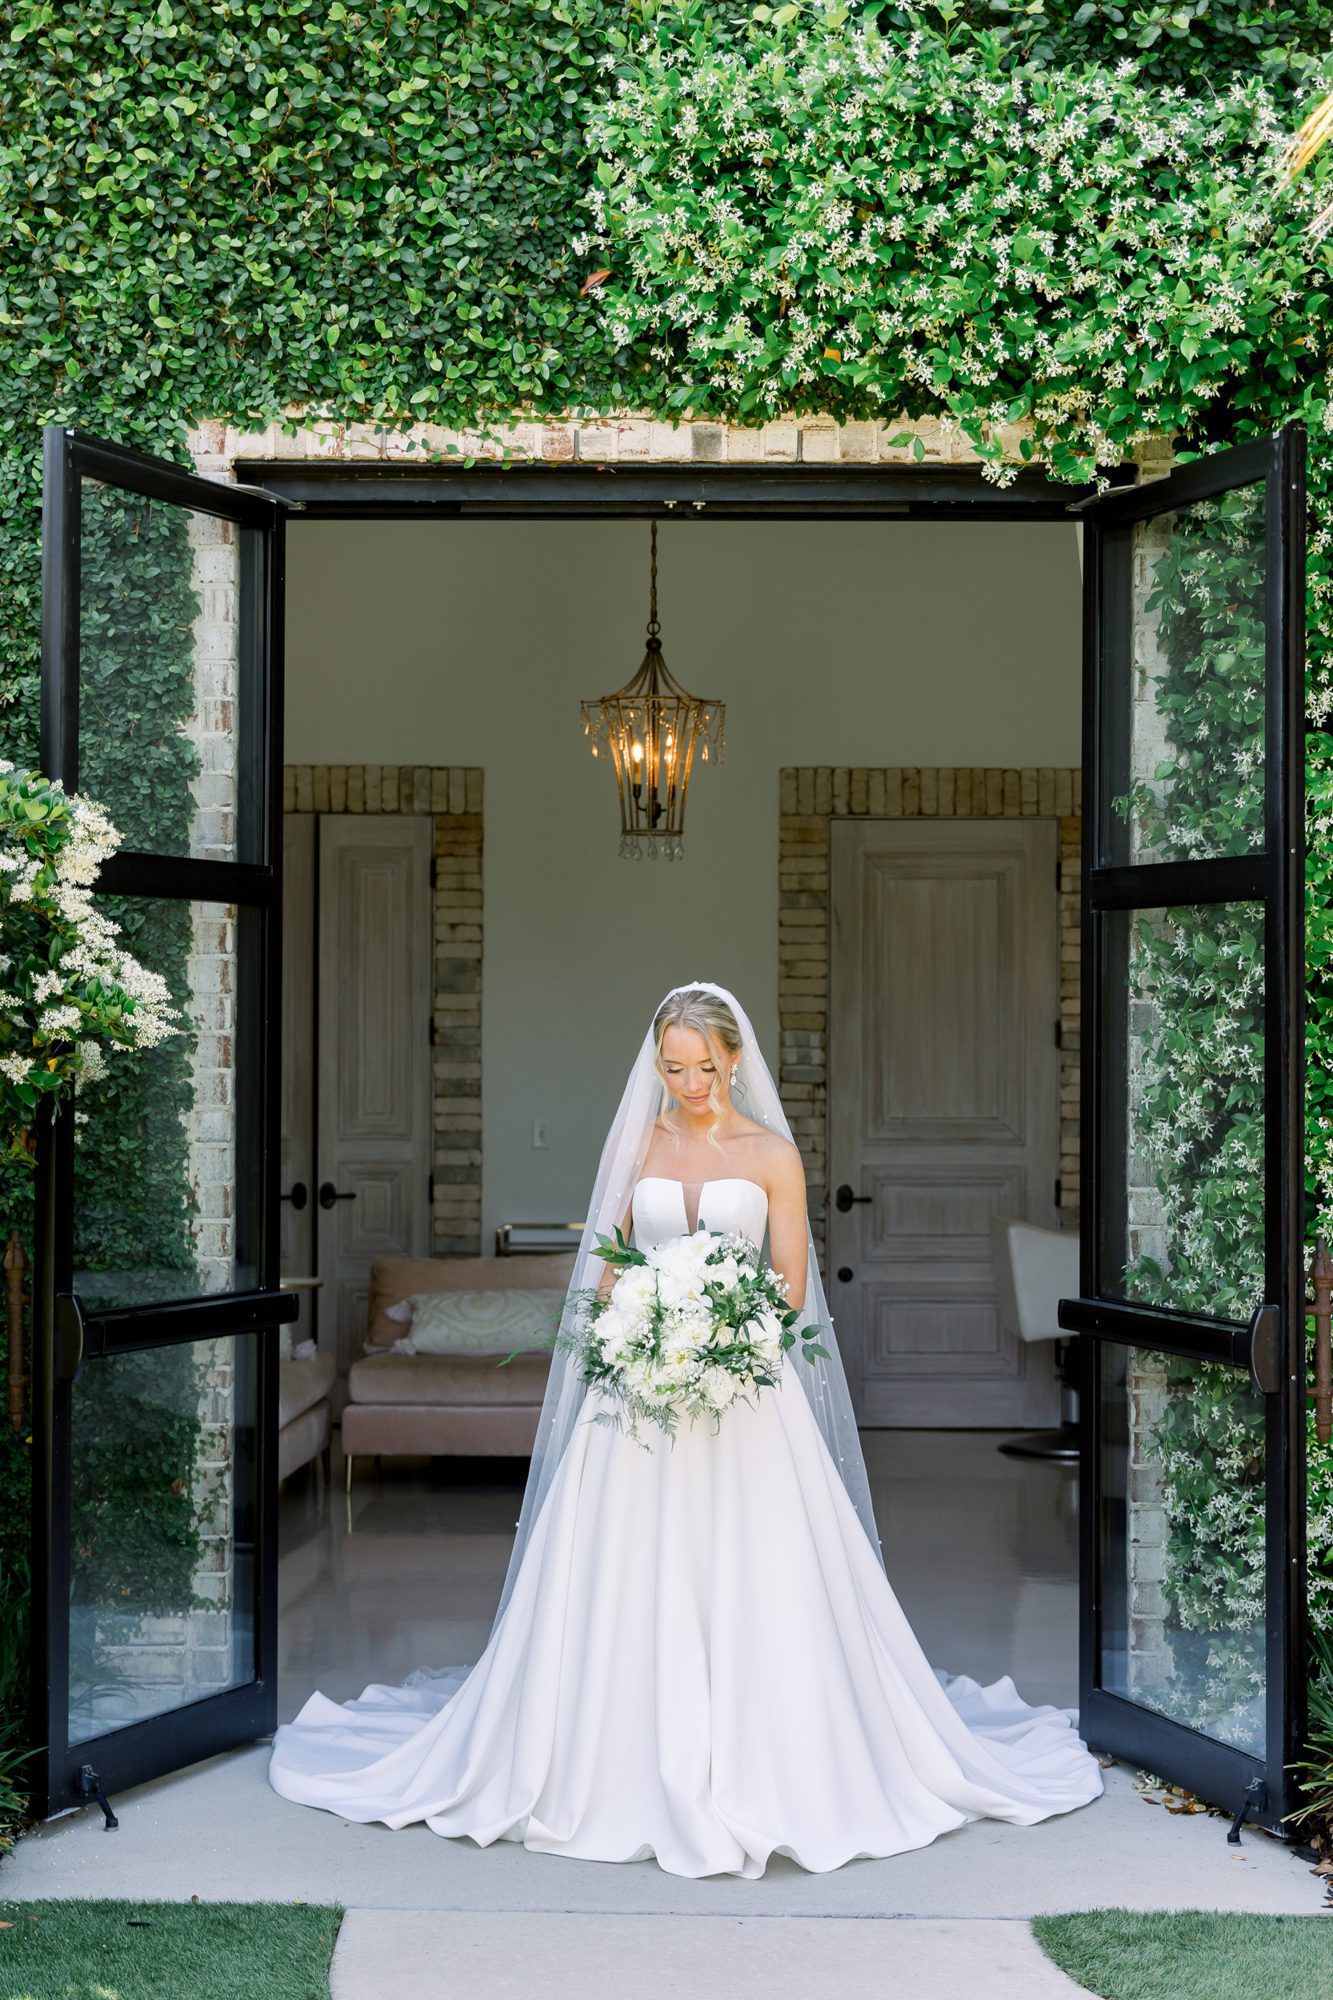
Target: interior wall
443, 642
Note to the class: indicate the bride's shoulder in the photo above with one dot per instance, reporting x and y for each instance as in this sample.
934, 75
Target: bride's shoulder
778, 1156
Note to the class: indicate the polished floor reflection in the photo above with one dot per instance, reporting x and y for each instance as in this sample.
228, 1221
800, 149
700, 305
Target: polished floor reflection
981, 1549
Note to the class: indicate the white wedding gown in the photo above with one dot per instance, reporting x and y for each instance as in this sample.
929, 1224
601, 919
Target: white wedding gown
701, 1660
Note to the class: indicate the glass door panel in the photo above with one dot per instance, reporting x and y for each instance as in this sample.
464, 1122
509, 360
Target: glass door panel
162, 708
185, 1222
163, 1510
1183, 721
1192, 1654
155, 1342
1181, 1527
1182, 1219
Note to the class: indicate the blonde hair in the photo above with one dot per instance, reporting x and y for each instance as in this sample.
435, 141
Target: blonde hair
709, 1015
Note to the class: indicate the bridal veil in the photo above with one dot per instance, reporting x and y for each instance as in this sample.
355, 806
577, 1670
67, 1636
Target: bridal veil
626, 1147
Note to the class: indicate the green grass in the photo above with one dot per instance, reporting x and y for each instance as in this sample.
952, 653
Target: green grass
1190, 1954
76, 1950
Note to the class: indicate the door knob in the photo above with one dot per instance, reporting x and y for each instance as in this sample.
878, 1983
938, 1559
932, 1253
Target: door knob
328, 1194
844, 1198
845, 1274
299, 1195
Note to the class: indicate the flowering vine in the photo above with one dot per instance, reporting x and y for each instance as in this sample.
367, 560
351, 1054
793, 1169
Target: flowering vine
895, 225
69, 988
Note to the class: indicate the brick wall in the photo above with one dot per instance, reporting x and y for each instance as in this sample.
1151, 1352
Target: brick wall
452, 796
630, 437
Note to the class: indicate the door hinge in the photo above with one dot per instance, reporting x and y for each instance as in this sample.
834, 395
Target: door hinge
432, 1030
1059, 1189
1059, 1034
430, 1190
434, 871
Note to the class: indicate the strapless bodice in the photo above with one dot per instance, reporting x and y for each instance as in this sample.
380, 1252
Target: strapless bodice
664, 1208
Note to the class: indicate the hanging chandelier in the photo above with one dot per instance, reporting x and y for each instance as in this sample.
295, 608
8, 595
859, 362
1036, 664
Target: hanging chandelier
653, 728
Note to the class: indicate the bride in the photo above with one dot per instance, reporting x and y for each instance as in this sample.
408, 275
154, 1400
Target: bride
697, 1655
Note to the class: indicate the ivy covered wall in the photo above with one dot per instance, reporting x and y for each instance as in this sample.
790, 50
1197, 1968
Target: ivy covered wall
1067, 219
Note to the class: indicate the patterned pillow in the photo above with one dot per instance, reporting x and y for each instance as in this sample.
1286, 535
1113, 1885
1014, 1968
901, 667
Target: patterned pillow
482, 1323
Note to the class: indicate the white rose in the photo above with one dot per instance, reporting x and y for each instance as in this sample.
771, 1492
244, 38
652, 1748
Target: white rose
726, 1271
719, 1387
766, 1334
638, 1377
634, 1291
613, 1334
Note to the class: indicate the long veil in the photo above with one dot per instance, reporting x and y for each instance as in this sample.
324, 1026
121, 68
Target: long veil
623, 1154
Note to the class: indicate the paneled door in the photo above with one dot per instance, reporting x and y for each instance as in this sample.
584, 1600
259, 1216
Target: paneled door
374, 1120
1193, 1630
156, 1301
296, 1171
357, 1087
943, 1109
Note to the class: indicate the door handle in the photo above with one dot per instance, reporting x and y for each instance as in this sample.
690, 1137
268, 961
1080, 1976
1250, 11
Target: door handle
844, 1198
299, 1195
69, 1342
328, 1194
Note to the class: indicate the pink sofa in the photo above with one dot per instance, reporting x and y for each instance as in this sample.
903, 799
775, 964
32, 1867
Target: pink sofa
438, 1404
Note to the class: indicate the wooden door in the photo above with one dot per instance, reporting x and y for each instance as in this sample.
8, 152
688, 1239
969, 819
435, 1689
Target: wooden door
296, 1171
373, 1085
943, 1109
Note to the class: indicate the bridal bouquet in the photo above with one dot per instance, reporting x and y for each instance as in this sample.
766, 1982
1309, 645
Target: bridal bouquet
689, 1326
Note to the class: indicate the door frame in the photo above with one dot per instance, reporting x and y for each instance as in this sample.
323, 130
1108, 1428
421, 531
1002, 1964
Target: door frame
63, 1339
1272, 1346
614, 489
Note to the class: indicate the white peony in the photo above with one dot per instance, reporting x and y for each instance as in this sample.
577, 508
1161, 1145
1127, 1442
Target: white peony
682, 1273
672, 1374
691, 1332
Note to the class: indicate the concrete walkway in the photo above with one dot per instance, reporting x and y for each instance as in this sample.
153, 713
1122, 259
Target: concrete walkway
426, 1955
218, 1830
983, 1559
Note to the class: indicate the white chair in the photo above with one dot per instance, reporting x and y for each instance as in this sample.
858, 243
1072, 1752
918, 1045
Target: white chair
1034, 1269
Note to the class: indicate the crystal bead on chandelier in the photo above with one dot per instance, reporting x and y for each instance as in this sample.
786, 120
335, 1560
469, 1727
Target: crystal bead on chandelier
653, 728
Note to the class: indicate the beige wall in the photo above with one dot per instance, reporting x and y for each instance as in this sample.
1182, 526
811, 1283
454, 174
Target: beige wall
894, 643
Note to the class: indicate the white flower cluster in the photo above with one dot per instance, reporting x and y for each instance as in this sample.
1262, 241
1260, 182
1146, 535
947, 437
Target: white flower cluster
690, 1326
71, 988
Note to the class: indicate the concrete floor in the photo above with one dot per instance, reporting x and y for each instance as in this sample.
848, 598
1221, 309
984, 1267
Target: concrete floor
981, 1549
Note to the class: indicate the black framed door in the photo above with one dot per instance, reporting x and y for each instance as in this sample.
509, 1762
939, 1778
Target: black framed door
1193, 1562
156, 1288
